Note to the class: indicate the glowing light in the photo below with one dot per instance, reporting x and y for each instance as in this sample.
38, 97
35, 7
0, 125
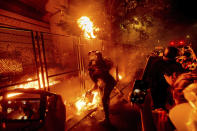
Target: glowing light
1, 98
172, 43
187, 36
181, 42
84, 104
87, 27
13, 94
9, 110
119, 77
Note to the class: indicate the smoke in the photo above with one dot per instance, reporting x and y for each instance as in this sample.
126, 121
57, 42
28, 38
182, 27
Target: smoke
134, 35
142, 30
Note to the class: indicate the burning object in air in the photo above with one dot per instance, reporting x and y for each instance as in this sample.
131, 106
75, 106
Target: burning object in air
87, 27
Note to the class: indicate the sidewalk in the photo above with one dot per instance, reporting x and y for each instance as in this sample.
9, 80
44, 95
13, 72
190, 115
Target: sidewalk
122, 116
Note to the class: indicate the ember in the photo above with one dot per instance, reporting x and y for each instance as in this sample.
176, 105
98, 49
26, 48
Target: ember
87, 26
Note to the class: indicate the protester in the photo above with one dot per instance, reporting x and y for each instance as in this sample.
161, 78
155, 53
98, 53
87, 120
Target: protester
162, 69
99, 73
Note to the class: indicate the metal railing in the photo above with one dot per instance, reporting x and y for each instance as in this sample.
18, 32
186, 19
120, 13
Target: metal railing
31, 54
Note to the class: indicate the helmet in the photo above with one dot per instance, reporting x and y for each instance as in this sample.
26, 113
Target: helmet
95, 55
171, 52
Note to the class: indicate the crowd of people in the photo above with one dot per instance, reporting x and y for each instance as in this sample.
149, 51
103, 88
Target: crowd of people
172, 88
171, 82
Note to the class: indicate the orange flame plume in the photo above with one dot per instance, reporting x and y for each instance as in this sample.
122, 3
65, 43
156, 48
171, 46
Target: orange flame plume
87, 26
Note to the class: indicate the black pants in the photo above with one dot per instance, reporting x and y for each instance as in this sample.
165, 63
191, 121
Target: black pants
161, 98
106, 100
109, 86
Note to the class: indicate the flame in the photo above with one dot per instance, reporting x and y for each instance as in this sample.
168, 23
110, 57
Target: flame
34, 84
13, 94
87, 26
95, 98
82, 104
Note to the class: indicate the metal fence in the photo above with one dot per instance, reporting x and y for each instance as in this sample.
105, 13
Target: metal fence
17, 59
39, 58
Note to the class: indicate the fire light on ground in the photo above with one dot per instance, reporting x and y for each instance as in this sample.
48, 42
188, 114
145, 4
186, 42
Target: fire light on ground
87, 27
87, 103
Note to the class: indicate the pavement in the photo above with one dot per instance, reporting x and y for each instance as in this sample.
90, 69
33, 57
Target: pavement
123, 117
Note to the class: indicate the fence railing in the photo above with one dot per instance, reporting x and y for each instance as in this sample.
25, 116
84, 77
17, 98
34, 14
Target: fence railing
28, 56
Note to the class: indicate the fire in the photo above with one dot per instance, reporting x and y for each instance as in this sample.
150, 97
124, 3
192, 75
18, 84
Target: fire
84, 103
13, 94
35, 84
87, 26
28, 85
80, 104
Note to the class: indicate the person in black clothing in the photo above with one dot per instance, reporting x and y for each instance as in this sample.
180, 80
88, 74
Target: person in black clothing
162, 68
99, 71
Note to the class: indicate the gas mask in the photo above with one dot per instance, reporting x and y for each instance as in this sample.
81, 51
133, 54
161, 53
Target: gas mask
94, 55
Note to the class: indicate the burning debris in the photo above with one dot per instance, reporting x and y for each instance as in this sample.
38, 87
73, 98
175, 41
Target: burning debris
87, 101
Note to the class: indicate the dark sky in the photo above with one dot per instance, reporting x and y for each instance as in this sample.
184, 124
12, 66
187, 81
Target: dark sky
185, 10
